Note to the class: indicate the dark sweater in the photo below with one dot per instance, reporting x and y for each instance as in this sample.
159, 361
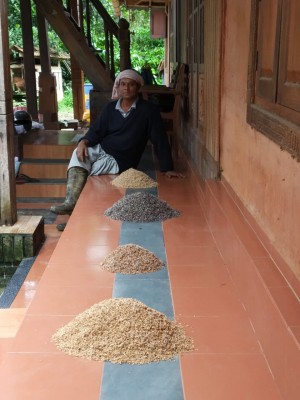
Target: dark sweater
125, 138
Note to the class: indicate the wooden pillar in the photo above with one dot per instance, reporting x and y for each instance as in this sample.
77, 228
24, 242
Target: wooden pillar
124, 40
77, 89
29, 62
48, 108
77, 73
8, 211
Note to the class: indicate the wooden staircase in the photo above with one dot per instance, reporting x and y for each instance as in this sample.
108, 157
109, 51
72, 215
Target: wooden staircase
44, 159
100, 72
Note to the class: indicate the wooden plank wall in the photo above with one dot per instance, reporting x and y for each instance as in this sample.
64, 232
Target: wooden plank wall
212, 76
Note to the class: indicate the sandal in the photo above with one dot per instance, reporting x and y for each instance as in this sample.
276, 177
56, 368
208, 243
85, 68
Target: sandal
22, 178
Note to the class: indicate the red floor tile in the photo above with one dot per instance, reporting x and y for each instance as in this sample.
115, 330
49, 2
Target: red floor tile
204, 275
76, 255
35, 334
185, 254
36, 376
226, 289
67, 300
269, 272
206, 301
221, 334
178, 236
227, 377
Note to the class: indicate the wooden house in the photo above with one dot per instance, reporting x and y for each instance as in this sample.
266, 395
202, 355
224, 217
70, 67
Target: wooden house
239, 124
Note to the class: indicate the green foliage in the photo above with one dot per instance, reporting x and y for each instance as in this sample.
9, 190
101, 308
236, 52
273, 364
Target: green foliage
66, 104
15, 27
144, 50
14, 23
67, 101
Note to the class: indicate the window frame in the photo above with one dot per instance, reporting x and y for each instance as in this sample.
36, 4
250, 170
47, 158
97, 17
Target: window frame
276, 122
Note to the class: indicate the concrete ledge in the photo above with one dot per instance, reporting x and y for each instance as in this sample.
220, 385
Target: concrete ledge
22, 239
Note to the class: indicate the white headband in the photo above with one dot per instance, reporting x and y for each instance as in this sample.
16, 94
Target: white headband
127, 73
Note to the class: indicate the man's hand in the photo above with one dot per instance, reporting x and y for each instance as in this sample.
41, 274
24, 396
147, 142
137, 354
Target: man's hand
174, 174
82, 150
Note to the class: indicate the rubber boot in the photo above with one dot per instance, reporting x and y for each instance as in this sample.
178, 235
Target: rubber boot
76, 180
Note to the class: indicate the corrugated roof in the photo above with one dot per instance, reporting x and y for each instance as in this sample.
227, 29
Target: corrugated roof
53, 53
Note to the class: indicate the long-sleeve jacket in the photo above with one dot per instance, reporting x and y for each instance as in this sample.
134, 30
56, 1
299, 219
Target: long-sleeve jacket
125, 138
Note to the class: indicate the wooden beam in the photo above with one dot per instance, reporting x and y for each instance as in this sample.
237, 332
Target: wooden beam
8, 211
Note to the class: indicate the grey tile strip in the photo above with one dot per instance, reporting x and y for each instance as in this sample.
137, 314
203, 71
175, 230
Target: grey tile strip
161, 380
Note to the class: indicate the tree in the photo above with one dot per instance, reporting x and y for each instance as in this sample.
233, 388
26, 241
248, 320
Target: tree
143, 48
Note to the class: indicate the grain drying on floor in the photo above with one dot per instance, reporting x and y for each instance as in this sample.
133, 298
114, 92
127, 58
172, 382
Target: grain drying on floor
122, 330
131, 259
133, 178
141, 207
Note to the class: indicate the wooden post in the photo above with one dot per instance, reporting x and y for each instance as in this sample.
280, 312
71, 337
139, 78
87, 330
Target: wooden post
124, 40
48, 107
29, 62
77, 73
77, 89
8, 210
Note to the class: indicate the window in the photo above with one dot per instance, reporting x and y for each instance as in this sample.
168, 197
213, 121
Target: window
274, 72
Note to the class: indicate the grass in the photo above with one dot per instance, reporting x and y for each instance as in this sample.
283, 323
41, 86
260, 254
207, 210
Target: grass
65, 106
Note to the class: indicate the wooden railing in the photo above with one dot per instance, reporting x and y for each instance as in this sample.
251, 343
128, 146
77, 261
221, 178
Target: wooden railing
87, 11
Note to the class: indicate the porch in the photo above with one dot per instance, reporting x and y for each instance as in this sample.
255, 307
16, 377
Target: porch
225, 285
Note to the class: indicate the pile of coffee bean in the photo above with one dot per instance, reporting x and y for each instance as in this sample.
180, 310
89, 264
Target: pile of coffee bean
131, 259
141, 207
122, 330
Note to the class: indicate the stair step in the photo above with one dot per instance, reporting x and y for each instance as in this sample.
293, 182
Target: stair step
45, 188
45, 160
37, 200
48, 151
44, 168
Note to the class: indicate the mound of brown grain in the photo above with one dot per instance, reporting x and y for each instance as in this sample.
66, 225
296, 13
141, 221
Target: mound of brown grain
133, 178
131, 259
122, 330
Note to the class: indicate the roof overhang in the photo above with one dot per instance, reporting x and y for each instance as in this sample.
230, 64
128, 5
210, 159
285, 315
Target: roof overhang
144, 4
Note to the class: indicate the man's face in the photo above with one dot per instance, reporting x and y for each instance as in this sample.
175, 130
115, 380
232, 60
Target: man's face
128, 89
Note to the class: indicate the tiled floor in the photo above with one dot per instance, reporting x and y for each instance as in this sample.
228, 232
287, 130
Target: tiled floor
221, 280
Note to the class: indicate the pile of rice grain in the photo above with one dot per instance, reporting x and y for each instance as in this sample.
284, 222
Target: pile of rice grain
122, 330
131, 259
133, 178
141, 207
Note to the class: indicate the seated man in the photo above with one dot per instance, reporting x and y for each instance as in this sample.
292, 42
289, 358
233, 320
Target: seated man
117, 140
